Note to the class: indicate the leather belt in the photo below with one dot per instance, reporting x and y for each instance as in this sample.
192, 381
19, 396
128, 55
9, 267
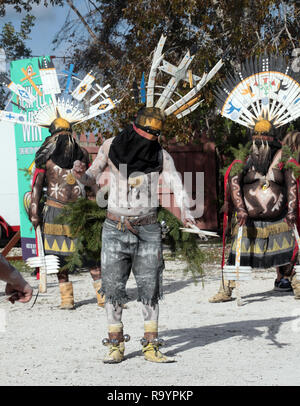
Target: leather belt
53, 203
129, 222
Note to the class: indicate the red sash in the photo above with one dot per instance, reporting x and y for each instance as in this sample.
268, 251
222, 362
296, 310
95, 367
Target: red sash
298, 209
36, 172
225, 215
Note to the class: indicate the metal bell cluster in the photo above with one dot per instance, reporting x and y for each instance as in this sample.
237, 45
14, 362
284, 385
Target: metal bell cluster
107, 341
159, 342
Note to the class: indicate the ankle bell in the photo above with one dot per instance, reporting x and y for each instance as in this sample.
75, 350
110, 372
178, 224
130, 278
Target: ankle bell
114, 341
158, 342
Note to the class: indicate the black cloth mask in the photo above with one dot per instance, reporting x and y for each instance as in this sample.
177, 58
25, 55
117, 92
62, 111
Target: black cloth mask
137, 152
66, 151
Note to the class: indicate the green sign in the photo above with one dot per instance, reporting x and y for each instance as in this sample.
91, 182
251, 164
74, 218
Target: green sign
28, 140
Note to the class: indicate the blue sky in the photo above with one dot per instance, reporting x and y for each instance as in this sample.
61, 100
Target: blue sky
48, 22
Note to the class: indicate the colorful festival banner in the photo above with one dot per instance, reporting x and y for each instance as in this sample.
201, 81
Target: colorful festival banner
28, 139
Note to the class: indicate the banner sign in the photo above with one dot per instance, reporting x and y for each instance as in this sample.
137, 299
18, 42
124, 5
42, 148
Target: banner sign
28, 139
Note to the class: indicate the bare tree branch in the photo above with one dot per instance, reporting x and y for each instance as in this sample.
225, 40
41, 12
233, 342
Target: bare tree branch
92, 34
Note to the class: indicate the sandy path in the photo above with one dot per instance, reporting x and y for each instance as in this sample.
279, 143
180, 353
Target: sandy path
214, 344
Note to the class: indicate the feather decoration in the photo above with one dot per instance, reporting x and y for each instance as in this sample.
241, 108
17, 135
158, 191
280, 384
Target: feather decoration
75, 108
49, 77
264, 87
182, 105
19, 90
45, 151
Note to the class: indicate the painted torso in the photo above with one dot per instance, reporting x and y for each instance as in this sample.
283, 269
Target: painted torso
61, 184
137, 197
265, 195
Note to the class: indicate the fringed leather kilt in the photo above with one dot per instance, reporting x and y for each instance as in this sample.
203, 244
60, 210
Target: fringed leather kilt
124, 251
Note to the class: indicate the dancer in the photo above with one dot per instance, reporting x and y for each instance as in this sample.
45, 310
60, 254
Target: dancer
54, 161
131, 238
263, 96
292, 142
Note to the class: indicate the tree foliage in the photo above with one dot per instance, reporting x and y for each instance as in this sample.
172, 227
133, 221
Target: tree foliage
117, 38
125, 32
13, 41
25, 5
14, 44
120, 36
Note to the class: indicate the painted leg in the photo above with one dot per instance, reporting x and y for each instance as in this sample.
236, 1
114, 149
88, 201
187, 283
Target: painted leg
116, 339
96, 276
278, 274
95, 273
150, 341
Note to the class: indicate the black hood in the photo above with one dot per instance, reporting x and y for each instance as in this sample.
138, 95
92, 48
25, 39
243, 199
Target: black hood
66, 151
137, 152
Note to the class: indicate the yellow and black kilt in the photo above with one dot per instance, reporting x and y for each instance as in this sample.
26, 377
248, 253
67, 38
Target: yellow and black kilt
265, 244
57, 237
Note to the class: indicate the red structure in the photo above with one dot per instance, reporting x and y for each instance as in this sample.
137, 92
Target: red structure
89, 143
191, 158
200, 159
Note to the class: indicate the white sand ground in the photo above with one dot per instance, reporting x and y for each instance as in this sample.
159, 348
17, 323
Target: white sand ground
214, 344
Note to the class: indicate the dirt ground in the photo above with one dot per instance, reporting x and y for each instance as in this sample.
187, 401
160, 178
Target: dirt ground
214, 344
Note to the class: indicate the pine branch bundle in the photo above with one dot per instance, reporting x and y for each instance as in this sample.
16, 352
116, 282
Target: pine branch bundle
241, 153
85, 219
287, 154
182, 244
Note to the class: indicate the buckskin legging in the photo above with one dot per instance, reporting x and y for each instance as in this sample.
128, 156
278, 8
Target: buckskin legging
114, 313
123, 251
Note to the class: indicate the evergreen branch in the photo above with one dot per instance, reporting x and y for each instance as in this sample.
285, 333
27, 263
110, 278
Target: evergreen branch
85, 219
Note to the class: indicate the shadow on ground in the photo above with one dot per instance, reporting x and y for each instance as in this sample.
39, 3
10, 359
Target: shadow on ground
186, 339
189, 338
263, 296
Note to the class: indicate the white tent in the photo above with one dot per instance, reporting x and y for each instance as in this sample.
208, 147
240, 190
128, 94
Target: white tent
9, 200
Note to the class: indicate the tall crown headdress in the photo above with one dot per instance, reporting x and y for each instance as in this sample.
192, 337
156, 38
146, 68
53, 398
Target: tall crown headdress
162, 101
87, 100
264, 93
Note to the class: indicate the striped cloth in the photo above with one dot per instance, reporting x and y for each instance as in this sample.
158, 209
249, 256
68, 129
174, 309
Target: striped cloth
57, 237
265, 244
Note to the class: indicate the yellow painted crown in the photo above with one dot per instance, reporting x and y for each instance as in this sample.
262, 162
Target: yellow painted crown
59, 124
151, 117
263, 126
